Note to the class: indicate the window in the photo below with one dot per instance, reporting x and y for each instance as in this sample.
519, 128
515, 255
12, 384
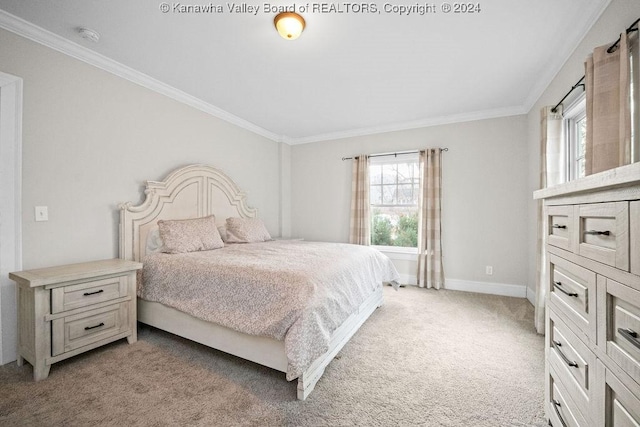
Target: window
575, 123
394, 187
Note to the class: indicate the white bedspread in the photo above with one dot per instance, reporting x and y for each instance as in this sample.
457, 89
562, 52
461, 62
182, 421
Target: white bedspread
295, 291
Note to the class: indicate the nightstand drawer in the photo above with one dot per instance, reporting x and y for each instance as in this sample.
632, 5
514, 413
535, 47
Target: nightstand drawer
72, 332
603, 233
84, 294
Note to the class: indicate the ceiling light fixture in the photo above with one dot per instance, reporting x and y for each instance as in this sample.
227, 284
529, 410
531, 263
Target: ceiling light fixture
89, 34
289, 25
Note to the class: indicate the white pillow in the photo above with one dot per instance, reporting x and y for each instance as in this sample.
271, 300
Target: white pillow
246, 230
154, 242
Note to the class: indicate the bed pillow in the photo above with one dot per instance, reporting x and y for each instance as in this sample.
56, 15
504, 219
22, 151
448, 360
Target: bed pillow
189, 235
222, 229
154, 242
246, 230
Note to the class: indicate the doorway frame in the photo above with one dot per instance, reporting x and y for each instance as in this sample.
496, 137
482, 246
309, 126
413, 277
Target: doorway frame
11, 93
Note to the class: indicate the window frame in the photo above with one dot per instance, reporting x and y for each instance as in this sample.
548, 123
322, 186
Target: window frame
576, 112
394, 159
634, 64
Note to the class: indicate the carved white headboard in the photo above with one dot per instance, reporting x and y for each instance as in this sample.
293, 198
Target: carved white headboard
189, 192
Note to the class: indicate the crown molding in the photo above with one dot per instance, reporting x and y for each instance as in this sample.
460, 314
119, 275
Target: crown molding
416, 124
39, 35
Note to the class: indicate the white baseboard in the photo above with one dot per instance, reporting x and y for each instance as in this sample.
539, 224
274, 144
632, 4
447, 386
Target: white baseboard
519, 291
408, 279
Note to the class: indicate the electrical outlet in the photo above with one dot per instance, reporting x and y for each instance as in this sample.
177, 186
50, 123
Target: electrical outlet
489, 270
42, 213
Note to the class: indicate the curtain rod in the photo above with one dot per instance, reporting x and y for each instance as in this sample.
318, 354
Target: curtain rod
629, 30
554, 109
394, 154
609, 50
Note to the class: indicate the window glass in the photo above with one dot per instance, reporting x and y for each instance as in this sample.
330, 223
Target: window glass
575, 125
394, 200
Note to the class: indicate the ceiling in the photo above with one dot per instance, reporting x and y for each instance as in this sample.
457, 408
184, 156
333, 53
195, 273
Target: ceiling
348, 74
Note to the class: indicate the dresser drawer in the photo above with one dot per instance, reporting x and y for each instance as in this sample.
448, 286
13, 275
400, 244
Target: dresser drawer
619, 325
84, 294
573, 360
572, 290
560, 226
72, 332
603, 233
621, 406
562, 411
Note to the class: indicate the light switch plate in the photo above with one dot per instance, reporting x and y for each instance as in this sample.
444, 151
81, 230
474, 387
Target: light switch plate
42, 213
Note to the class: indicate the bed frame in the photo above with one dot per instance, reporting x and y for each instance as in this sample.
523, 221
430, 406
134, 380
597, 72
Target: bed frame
196, 191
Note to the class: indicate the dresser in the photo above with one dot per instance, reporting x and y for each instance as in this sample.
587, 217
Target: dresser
592, 349
67, 310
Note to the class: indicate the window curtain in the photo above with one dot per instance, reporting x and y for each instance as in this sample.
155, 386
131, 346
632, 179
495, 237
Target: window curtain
607, 79
430, 271
360, 228
552, 172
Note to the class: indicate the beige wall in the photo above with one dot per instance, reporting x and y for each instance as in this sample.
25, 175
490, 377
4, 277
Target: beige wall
615, 19
90, 139
485, 193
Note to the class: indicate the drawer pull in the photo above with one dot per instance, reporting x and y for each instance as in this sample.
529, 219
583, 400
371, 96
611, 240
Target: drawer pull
556, 405
557, 345
86, 328
558, 226
598, 233
559, 287
630, 335
86, 294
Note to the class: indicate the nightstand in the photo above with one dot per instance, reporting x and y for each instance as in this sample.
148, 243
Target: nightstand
67, 310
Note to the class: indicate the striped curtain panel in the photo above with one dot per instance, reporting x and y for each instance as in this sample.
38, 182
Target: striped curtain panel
607, 80
552, 172
360, 223
430, 271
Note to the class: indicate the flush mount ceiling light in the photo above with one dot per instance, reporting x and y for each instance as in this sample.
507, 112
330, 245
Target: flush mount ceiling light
89, 34
289, 25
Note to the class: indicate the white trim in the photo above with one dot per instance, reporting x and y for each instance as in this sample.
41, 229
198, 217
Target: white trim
40, 35
402, 254
519, 291
575, 112
531, 296
10, 209
408, 279
423, 123
47, 38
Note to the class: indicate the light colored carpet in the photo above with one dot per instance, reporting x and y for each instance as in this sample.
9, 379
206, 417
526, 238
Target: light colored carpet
426, 358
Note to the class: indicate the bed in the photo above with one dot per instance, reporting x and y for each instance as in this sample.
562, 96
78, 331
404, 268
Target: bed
331, 288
